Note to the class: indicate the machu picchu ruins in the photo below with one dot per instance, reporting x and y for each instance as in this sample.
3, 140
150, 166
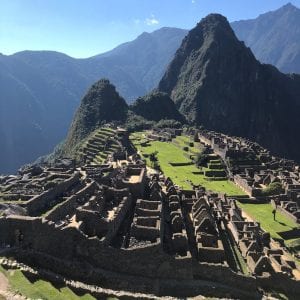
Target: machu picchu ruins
109, 217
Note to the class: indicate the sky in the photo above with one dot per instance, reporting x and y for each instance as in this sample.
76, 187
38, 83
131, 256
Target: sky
83, 28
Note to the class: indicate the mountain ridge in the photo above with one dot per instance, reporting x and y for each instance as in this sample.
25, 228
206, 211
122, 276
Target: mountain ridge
274, 37
216, 81
51, 84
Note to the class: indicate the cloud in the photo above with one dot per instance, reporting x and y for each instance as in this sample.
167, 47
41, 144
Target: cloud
137, 21
151, 21
193, 1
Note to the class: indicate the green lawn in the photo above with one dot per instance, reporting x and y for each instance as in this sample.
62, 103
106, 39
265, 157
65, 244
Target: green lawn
39, 289
173, 152
263, 214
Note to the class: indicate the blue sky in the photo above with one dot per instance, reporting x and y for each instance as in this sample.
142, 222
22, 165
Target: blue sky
82, 28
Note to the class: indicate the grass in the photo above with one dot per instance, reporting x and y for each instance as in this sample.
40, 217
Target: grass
39, 289
262, 213
172, 152
94, 144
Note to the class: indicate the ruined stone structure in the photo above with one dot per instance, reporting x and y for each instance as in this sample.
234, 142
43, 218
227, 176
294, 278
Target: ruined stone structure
115, 225
253, 169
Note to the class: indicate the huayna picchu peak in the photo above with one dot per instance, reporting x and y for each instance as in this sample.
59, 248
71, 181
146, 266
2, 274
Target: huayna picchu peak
216, 81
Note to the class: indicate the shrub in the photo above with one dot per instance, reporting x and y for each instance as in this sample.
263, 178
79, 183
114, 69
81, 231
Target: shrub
274, 188
166, 123
185, 148
201, 159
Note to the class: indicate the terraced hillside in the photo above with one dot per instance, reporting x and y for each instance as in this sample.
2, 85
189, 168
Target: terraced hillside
175, 161
99, 145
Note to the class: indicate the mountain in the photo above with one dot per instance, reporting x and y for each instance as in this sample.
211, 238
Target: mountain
34, 111
40, 90
216, 81
144, 59
274, 37
101, 104
156, 106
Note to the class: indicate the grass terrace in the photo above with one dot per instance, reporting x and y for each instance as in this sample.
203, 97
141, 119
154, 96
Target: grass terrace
262, 213
176, 163
35, 288
95, 148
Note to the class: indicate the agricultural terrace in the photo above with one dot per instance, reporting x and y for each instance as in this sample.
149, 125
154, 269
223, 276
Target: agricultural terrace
280, 228
38, 288
176, 163
101, 143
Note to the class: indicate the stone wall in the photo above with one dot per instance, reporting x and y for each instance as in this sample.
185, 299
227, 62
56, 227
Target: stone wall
120, 214
68, 206
151, 262
91, 223
243, 184
136, 188
38, 203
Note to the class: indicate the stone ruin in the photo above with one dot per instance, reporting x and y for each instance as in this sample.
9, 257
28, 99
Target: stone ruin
253, 169
116, 225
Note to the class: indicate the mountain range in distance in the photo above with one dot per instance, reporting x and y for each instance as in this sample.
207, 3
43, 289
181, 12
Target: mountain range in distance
40, 90
214, 80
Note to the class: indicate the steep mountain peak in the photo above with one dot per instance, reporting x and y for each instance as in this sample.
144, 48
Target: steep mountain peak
216, 81
101, 91
101, 104
211, 42
212, 27
212, 21
288, 6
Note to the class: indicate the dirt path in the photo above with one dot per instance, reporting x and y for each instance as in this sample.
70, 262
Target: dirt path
3, 285
5, 292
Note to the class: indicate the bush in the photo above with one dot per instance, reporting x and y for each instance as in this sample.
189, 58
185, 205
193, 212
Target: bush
137, 123
166, 123
274, 188
185, 148
201, 159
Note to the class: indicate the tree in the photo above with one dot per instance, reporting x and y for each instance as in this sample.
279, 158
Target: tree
201, 159
153, 159
274, 188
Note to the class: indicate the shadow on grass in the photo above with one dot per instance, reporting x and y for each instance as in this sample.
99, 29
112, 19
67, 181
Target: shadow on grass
281, 223
294, 233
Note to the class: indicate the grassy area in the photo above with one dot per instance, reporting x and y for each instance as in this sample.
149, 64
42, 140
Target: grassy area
39, 289
172, 152
94, 148
263, 214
